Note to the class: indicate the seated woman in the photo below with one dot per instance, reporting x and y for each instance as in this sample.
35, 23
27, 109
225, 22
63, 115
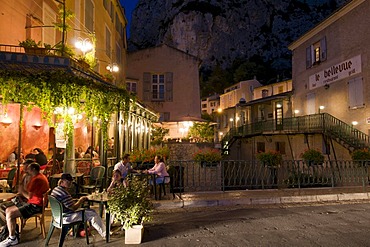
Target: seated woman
160, 170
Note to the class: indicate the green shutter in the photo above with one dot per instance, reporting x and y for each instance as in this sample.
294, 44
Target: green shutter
169, 86
146, 86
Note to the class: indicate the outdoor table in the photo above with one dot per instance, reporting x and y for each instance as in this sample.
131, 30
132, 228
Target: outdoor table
102, 199
7, 196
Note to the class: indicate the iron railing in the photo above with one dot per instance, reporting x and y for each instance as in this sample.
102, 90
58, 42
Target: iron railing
323, 123
191, 176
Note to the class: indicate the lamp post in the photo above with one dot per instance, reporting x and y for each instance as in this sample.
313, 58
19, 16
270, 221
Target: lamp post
112, 68
321, 108
295, 112
84, 45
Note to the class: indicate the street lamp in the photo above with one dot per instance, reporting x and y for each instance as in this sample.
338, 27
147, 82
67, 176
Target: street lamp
112, 67
321, 108
84, 45
296, 112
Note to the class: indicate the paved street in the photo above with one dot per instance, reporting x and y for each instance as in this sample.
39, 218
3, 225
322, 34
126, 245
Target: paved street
316, 225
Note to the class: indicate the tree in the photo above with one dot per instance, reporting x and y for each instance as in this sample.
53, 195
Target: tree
201, 132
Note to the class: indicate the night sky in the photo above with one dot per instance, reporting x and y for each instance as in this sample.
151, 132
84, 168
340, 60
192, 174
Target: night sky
129, 6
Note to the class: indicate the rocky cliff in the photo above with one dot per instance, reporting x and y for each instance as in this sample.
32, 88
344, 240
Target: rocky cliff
219, 31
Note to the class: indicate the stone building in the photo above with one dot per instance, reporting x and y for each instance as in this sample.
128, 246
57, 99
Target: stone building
167, 80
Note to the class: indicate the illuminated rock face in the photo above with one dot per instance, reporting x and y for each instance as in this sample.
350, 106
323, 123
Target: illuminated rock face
221, 31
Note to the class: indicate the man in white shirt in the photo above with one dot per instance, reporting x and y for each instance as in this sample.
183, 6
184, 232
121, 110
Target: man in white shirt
124, 166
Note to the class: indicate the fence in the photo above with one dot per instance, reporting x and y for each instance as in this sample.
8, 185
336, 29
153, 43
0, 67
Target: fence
191, 176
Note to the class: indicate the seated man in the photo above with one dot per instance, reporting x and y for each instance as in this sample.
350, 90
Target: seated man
37, 186
124, 167
25, 178
69, 205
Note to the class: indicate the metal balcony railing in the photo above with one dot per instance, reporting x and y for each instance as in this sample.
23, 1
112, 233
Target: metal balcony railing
323, 123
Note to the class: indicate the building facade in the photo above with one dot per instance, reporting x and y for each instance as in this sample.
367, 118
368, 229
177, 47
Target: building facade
331, 69
210, 104
100, 23
167, 80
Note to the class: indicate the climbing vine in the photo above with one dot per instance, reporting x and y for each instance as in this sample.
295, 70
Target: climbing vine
50, 90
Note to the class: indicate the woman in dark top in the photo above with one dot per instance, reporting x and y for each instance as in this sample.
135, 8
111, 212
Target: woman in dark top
40, 157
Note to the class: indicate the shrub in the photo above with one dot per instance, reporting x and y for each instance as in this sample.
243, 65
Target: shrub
131, 204
270, 158
361, 154
209, 155
313, 157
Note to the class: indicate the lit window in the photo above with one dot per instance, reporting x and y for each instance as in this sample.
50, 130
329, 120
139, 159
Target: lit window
158, 87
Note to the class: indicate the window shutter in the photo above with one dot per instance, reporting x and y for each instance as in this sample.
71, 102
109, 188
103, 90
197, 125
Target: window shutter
146, 86
169, 86
355, 93
323, 49
308, 57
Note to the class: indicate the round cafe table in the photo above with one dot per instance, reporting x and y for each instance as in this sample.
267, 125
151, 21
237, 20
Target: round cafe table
7, 196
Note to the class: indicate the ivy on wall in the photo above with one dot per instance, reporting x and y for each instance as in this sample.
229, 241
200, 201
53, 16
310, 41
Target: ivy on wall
59, 88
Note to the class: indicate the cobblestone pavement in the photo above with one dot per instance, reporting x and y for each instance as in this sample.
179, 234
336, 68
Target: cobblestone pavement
197, 221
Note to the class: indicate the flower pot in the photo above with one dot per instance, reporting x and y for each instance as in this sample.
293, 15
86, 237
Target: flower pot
134, 234
35, 50
208, 164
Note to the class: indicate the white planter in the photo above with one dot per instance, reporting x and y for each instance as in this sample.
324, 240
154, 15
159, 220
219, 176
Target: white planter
134, 234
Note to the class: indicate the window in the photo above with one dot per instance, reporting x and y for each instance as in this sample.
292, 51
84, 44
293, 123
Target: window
260, 147
316, 53
355, 93
49, 17
111, 11
265, 93
89, 15
158, 87
131, 86
107, 42
164, 117
280, 147
118, 54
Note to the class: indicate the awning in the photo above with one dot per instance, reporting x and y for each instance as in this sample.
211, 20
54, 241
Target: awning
267, 99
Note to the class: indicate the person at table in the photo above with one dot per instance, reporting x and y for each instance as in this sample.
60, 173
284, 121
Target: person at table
13, 157
116, 181
124, 166
90, 153
37, 186
40, 157
159, 169
70, 205
24, 175
19, 199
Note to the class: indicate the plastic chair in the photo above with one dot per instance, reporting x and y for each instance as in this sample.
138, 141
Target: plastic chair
10, 178
40, 216
57, 221
95, 179
109, 175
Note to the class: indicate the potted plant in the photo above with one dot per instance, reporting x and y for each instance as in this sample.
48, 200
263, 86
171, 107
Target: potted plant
32, 47
270, 158
361, 156
208, 156
131, 206
146, 156
313, 157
